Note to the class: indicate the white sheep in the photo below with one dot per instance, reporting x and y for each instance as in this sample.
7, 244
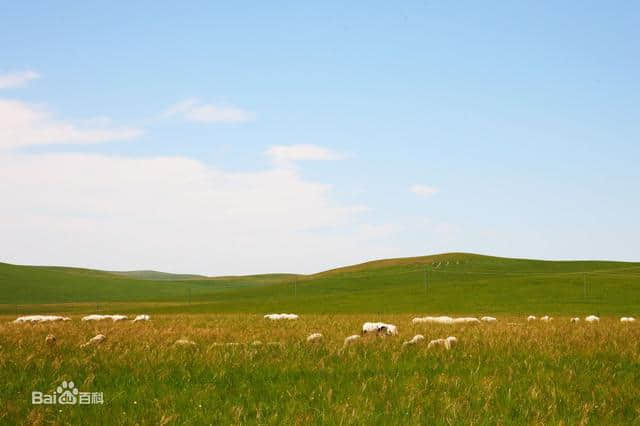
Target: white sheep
379, 328
575, 319
40, 318
416, 339
142, 317
50, 339
627, 319
447, 343
314, 338
433, 320
446, 320
350, 340
546, 318
184, 342
592, 318
96, 340
488, 319
531, 318
281, 316
96, 317
466, 320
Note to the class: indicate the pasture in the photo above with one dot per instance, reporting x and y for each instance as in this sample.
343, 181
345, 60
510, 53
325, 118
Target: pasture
508, 372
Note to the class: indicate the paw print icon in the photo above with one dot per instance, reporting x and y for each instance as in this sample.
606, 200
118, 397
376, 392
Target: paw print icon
67, 393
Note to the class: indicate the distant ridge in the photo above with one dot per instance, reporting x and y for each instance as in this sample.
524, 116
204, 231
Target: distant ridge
158, 276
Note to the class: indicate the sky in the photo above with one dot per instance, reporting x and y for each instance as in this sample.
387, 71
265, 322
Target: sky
253, 137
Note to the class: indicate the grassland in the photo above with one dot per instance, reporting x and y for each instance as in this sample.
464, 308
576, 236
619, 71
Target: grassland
512, 372
459, 283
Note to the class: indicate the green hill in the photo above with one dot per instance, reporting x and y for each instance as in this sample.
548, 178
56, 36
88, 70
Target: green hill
455, 283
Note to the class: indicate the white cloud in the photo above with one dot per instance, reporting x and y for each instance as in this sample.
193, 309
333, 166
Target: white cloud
284, 155
424, 190
22, 125
17, 79
173, 214
194, 110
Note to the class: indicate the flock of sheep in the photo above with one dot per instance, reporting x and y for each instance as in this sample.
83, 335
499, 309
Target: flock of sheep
377, 328
51, 339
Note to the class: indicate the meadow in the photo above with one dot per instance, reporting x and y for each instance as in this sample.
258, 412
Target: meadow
511, 372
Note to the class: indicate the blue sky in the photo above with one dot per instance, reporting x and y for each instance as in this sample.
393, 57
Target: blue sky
244, 137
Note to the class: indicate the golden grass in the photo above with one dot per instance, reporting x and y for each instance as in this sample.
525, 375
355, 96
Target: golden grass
504, 373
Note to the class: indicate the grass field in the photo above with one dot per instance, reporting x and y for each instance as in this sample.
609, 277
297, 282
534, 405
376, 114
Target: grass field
512, 372
460, 283
519, 373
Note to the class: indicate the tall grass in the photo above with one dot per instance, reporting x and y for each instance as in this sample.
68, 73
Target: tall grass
524, 373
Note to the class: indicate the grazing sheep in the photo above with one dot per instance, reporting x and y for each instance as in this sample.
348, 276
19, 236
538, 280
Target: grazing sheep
351, 339
446, 320
416, 339
531, 318
96, 317
433, 320
592, 318
546, 318
50, 339
627, 319
488, 319
142, 317
379, 328
447, 343
314, 338
184, 342
281, 316
40, 318
96, 340
575, 319
466, 320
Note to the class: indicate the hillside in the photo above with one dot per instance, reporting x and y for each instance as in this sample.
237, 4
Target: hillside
455, 282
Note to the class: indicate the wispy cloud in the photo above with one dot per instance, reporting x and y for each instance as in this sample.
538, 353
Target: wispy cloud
423, 190
22, 125
195, 110
17, 79
288, 154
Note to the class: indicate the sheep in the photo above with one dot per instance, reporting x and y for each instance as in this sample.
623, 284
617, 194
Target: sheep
488, 319
142, 317
447, 343
546, 318
184, 342
453, 341
592, 318
434, 320
256, 343
96, 317
446, 320
281, 316
50, 339
575, 319
627, 319
40, 318
466, 320
531, 318
379, 328
95, 340
351, 340
416, 339
315, 338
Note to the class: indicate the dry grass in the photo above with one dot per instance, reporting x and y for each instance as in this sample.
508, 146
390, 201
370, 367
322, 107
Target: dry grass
531, 373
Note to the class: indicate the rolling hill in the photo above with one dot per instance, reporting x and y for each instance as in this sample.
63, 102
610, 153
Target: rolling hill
446, 283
